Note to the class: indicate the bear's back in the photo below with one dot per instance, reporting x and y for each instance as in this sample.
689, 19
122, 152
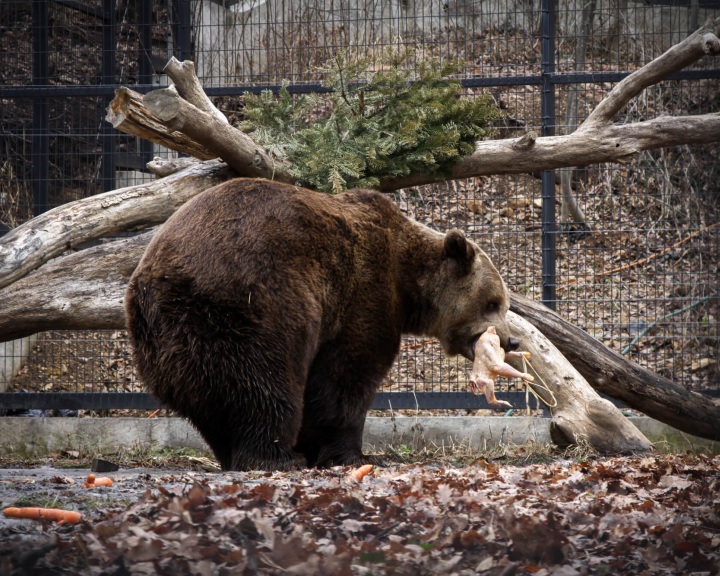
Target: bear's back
272, 242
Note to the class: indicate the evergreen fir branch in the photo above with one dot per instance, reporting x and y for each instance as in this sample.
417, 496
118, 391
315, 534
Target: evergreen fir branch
391, 122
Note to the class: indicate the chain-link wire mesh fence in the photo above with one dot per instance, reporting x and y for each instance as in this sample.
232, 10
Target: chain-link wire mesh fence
639, 272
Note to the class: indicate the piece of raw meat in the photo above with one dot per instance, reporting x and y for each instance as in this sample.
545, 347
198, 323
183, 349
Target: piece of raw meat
490, 363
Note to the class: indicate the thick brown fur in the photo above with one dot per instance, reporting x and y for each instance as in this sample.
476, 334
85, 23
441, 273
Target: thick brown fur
268, 315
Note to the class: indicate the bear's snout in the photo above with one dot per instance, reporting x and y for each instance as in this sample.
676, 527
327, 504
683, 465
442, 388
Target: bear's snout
511, 344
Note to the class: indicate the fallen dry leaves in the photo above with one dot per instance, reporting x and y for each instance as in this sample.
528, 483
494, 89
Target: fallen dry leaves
638, 515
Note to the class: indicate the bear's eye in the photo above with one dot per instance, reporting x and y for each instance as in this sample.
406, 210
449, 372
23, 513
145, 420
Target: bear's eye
493, 306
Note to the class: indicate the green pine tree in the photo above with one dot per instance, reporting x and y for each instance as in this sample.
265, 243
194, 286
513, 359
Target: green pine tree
373, 125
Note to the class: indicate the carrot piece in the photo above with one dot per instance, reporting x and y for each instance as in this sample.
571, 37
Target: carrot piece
94, 482
361, 472
33, 513
103, 481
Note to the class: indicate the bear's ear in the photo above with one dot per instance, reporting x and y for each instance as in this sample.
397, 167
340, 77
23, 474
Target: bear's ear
459, 249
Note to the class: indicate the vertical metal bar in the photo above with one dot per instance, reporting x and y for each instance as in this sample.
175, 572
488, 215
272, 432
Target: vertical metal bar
146, 67
108, 77
549, 225
184, 30
41, 120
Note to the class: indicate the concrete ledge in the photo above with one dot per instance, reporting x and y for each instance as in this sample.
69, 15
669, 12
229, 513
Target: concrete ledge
41, 436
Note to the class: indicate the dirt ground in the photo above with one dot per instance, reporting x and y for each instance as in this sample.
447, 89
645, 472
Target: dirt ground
541, 513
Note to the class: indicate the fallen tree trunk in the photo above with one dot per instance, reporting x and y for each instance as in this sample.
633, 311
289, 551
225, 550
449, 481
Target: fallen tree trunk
134, 208
612, 374
81, 291
605, 370
579, 414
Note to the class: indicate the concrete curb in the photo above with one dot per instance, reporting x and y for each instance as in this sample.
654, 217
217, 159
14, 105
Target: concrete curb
37, 437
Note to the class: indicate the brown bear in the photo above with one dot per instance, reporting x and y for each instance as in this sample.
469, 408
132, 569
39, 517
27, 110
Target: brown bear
268, 315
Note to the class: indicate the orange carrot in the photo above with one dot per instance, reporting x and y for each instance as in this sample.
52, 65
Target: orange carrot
93, 482
55, 514
103, 481
361, 472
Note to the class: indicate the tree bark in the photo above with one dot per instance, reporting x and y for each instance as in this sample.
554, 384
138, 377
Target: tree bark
580, 414
134, 208
81, 291
612, 374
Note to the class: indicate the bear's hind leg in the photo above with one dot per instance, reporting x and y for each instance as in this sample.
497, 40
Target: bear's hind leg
257, 442
327, 445
276, 458
339, 393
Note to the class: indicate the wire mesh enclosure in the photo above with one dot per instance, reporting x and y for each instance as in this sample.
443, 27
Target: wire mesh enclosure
635, 265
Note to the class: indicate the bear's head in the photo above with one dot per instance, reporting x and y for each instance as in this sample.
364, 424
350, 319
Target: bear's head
473, 298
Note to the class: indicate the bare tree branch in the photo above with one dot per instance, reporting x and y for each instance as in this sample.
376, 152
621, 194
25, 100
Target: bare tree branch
700, 43
127, 113
615, 143
189, 86
232, 145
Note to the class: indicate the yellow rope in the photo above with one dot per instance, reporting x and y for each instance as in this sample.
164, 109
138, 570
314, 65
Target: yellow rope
542, 386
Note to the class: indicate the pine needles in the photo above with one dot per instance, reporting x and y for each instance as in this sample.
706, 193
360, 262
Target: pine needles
388, 122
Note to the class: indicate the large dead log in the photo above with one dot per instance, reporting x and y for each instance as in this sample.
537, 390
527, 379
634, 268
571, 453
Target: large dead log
134, 208
610, 373
83, 290
579, 413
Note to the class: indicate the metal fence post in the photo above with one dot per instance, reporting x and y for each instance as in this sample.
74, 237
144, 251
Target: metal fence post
40, 125
108, 77
183, 30
146, 68
548, 129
